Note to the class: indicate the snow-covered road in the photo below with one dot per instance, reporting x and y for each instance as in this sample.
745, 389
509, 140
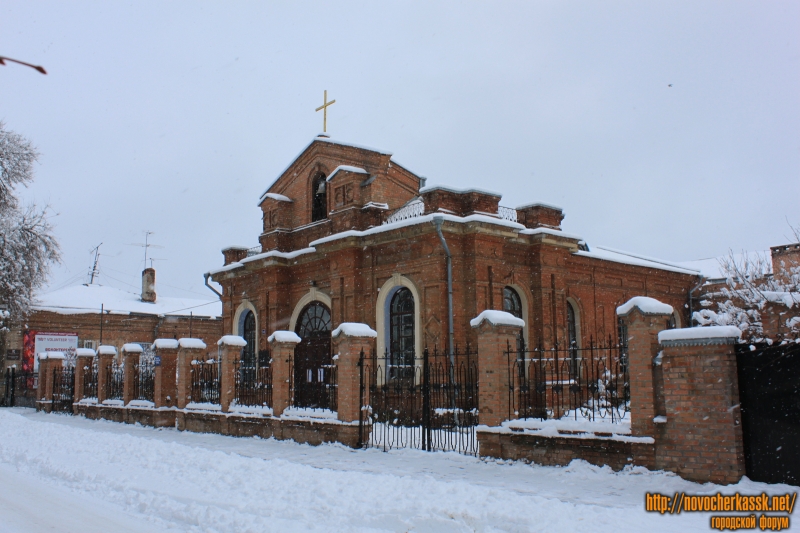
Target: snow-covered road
63, 473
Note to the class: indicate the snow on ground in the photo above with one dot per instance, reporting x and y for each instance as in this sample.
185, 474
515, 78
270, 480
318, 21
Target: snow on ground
63, 473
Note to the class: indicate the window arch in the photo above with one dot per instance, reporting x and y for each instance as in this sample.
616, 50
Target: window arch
314, 321
512, 303
573, 336
401, 334
249, 335
319, 198
383, 313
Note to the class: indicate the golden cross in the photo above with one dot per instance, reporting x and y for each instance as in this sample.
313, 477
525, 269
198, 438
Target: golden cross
324, 108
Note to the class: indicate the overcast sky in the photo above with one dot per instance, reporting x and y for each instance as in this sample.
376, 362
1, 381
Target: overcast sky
670, 129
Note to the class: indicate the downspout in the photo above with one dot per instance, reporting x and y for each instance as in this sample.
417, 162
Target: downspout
691, 299
437, 221
206, 276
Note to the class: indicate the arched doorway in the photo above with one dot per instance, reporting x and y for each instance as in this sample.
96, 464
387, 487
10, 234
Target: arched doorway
249, 335
312, 357
401, 335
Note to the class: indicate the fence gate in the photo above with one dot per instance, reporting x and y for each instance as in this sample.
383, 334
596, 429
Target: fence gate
63, 389
769, 395
20, 388
429, 403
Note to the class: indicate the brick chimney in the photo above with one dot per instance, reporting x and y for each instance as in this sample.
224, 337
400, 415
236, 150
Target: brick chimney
784, 258
149, 285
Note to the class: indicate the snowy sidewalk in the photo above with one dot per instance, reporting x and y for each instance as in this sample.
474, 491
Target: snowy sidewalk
65, 471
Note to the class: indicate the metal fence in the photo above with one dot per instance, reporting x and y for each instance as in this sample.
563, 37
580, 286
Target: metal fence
316, 388
63, 388
144, 380
20, 388
205, 381
89, 379
587, 383
253, 385
430, 403
115, 381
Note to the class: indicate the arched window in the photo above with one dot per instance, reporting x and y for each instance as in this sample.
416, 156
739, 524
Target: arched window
315, 321
572, 337
401, 340
249, 334
512, 303
312, 358
319, 198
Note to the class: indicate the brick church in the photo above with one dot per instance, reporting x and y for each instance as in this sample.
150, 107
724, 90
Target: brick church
350, 235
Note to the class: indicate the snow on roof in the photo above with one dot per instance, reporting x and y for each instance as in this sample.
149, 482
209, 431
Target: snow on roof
710, 266
276, 196
710, 332
458, 191
317, 139
81, 299
354, 329
346, 168
539, 204
550, 231
617, 256
497, 318
647, 305
265, 255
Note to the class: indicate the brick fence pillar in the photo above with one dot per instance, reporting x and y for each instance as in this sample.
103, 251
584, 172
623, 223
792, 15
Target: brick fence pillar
350, 340
497, 331
165, 393
702, 438
281, 346
83, 360
231, 348
130, 358
644, 317
188, 350
105, 356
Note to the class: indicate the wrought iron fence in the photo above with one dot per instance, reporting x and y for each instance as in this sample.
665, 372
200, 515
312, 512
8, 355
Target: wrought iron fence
314, 388
253, 385
205, 381
115, 381
430, 404
63, 388
20, 388
414, 209
89, 379
588, 383
144, 380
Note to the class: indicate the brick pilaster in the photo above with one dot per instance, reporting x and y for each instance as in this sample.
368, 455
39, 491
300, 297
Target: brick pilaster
82, 361
350, 340
105, 356
231, 351
188, 350
494, 339
166, 358
702, 437
130, 358
281, 345
645, 318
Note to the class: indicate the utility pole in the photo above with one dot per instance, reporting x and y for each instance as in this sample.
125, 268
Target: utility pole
96, 251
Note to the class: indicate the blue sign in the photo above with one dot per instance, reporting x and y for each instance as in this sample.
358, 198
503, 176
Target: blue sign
157, 360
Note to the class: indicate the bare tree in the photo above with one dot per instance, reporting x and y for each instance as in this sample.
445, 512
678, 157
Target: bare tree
750, 286
27, 245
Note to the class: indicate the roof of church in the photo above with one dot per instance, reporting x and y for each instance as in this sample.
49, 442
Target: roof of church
81, 299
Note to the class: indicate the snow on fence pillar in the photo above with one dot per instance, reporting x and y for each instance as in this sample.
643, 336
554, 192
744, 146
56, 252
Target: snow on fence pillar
105, 356
281, 346
497, 331
83, 362
165, 393
644, 318
188, 350
130, 359
702, 433
231, 351
350, 339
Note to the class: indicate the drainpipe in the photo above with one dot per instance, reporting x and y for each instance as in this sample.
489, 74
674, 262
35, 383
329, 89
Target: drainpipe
691, 299
437, 221
206, 276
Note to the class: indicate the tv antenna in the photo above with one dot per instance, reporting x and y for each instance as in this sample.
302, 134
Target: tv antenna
95, 272
146, 245
155, 259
